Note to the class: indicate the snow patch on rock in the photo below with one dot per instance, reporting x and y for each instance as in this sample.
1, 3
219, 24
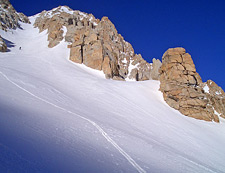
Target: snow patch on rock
206, 89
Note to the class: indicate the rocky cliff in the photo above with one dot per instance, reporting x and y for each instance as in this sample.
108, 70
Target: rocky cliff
9, 19
184, 90
95, 43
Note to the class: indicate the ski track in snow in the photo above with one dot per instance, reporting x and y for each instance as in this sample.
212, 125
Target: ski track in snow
104, 134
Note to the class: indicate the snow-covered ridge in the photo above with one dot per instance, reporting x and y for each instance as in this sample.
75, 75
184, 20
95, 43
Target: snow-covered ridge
65, 9
56, 11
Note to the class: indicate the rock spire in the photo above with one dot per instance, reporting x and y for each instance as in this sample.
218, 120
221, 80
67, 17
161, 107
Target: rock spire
184, 90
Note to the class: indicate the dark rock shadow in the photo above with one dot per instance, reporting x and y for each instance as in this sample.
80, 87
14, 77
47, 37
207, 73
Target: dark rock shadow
9, 44
20, 27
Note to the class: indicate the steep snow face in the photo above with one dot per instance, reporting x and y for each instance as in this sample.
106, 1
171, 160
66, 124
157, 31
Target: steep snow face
58, 116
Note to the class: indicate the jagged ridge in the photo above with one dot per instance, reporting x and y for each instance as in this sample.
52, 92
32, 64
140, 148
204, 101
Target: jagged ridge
95, 43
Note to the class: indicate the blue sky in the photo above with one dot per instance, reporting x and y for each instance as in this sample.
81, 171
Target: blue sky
154, 26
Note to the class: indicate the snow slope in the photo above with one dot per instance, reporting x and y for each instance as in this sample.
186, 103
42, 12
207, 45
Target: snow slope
57, 116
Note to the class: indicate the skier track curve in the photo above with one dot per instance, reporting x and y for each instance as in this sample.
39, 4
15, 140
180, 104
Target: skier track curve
102, 132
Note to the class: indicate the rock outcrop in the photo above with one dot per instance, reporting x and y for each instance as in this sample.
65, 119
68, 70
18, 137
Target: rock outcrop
3, 46
216, 96
184, 90
9, 17
95, 43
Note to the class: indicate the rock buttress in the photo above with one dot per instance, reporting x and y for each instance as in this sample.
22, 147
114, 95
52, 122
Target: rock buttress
183, 89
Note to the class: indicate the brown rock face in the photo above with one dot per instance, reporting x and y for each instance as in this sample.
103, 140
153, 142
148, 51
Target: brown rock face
93, 55
183, 89
3, 46
95, 43
155, 69
9, 18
